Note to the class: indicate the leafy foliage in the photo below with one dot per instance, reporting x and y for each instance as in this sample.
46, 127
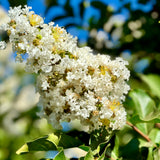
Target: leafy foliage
60, 141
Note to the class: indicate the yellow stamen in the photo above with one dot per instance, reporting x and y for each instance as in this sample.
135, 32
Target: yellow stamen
103, 69
105, 122
113, 105
34, 19
36, 42
56, 31
39, 36
95, 113
91, 70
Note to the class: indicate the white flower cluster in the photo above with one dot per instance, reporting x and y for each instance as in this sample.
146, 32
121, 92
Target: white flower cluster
2, 45
73, 82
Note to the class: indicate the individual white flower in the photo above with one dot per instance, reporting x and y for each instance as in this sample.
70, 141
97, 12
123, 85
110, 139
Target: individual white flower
2, 45
45, 85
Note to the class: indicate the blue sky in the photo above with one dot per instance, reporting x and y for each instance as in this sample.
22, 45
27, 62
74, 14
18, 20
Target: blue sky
39, 7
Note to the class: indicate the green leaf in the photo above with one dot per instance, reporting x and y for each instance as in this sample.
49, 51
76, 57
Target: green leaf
67, 141
152, 80
100, 138
53, 138
130, 150
143, 103
40, 144
156, 154
115, 151
153, 118
23, 149
85, 148
102, 156
155, 135
60, 155
144, 108
89, 156
81, 135
150, 154
104, 153
50, 142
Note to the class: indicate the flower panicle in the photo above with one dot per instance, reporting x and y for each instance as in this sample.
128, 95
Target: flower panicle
73, 83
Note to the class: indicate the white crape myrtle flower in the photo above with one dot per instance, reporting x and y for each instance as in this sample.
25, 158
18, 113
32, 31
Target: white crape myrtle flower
2, 45
73, 83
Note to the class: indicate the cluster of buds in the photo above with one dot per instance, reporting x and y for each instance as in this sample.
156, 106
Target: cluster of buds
73, 83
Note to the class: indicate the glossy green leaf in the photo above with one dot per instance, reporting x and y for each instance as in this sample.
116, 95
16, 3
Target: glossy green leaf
115, 151
155, 135
143, 103
103, 155
153, 118
130, 150
153, 151
156, 154
144, 109
67, 141
100, 138
40, 144
153, 81
89, 155
150, 154
60, 155
85, 148
50, 142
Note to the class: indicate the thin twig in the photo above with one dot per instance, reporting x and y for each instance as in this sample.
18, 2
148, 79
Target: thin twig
138, 131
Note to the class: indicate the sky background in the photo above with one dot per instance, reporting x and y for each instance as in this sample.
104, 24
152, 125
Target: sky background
39, 7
